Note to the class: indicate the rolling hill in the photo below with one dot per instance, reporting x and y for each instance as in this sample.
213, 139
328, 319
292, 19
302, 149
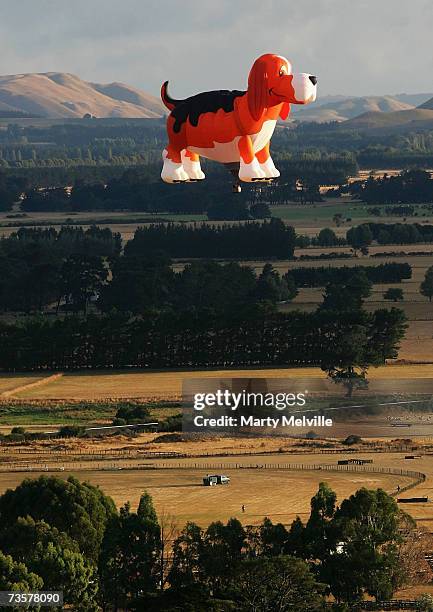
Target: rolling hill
347, 108
64, 95
414, 118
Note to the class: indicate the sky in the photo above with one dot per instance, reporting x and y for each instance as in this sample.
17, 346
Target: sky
362, 47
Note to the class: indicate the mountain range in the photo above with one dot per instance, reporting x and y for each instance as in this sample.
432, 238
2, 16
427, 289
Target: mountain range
342, 108
60, 95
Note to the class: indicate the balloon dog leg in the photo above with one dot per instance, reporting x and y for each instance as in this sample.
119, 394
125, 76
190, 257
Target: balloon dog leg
266, 163
249, 170
191, 165
172, 170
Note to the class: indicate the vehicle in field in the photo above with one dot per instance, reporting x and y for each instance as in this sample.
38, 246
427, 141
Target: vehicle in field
215, 479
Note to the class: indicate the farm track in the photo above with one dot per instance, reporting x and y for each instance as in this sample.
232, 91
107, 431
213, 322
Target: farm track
39, 383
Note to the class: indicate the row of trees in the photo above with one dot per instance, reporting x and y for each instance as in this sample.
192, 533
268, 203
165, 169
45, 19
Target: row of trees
319, 277
340, 335
360, 237
136, 560
406, 188
242, 241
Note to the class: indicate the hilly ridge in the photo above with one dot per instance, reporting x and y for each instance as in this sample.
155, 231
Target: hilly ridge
347, 108
64, 95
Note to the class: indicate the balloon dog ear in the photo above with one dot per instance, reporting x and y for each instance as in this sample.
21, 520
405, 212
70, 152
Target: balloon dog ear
257, 94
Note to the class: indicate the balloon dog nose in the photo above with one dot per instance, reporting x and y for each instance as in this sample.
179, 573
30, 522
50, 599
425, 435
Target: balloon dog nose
313, 79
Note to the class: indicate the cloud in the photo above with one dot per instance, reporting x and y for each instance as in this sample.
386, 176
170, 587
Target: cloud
355, 48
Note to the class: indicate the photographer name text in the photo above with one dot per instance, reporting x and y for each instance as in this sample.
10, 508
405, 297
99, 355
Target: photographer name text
271, 422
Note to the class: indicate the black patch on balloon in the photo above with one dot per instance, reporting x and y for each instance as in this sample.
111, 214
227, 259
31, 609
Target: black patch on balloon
207, 102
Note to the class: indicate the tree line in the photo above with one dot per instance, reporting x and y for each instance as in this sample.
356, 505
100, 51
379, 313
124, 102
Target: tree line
338, 336
361, 236
319, 277
405, 188
134, 559
140, 189
251, 240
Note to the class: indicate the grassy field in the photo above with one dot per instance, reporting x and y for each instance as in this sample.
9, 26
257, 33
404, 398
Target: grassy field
37, 415
167, 385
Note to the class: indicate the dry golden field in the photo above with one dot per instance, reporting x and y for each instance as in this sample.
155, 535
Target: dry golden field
278, 493
10, 382
167, 385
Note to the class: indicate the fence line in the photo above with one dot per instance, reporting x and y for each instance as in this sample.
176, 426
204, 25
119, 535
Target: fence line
417, 476
134, 453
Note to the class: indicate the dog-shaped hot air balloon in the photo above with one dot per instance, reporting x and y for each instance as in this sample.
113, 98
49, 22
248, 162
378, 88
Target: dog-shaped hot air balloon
233, 127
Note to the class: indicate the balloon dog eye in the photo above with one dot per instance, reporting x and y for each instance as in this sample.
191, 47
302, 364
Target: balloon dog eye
283, 71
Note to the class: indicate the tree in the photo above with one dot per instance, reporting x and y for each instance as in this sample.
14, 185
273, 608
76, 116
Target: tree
260, 210
426, 287
359, 237
273, 288
22, 537
221, 553
364, 534
296, 543
276, 584
273, 538
81, 278
316, 530
139, 283
168, 530
327, 237
130, 412
15, 576
387, 330
188, 549
55, 557
65, 570
78, 509
393, 293
129, 560
352, 439
348, 295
